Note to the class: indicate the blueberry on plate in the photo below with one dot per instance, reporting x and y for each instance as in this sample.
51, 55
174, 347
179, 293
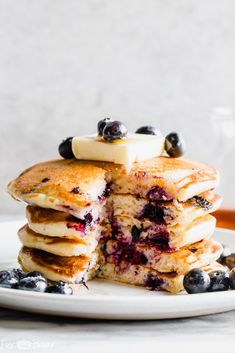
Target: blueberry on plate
148, 130
60, 288
174, 145
114, 130
65, 148
229, 261
101, 125
19, 273
8, 279
196, 281
226, 252
35, 274
219, 281
232, 279
35, 284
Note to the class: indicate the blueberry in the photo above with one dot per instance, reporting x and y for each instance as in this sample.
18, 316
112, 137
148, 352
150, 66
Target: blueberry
135, 232
35, 284
101, 125
88, 218
219, 281
158, 194
153, 212
148, 130
153, 282
60, 288
8, 279
226, 252
65, 148
114, 130
196, 281
35, 274
232, 279
174, 145
19, 273
229, 261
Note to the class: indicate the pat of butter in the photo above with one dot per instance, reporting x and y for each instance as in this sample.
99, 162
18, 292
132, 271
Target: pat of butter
134, 148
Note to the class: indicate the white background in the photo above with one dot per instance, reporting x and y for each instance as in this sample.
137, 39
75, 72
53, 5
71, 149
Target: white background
64, 64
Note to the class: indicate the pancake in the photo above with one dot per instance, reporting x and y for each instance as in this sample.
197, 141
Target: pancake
74, 204
76, 186
64, 185
56, 224
160, 235
74, 269
62, 246
170, 212
146, 277
164, 178
182, 261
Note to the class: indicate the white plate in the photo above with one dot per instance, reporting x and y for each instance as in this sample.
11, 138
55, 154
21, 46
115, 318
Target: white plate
108, 300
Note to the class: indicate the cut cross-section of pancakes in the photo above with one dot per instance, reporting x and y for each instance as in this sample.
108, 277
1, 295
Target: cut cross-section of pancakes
147, 277
160, 235
169, 212
157, 213
181, 261
164, 179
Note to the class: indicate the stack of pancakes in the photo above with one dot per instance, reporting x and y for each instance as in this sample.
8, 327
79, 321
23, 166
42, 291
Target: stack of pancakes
147, 226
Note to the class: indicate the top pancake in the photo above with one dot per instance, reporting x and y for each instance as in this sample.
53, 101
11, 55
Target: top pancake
69, 180
180, 179
73, 183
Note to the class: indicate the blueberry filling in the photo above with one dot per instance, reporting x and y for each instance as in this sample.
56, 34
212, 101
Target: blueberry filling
108, 190
160, 242
109, 213
156, 236
124, 253
200, 201
66, 207
88, 218
79, 226
117, 232
76, 190
154, 213
153, 282
135, 232
158, 194
45, 180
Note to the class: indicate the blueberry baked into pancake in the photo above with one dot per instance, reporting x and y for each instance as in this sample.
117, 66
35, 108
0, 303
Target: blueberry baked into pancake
120, 206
